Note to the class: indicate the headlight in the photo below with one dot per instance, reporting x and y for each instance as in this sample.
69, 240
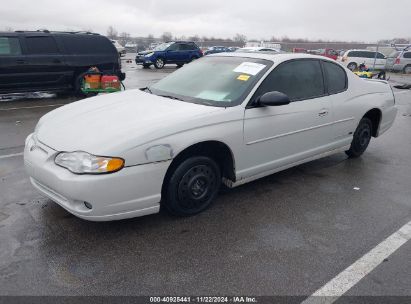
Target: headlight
85, 163
149, 54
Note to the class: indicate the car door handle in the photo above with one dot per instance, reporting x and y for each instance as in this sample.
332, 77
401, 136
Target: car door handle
323, 112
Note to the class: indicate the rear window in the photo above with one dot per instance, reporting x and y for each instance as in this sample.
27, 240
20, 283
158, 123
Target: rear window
336, 77
82, 44
10, 46
407, 55
41, 45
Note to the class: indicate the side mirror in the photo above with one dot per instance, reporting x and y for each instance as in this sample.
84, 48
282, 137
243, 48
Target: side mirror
274, 98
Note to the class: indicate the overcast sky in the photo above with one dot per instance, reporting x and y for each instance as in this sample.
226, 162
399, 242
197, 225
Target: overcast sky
360, 20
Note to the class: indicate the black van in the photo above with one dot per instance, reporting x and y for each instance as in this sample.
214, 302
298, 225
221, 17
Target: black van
53, 61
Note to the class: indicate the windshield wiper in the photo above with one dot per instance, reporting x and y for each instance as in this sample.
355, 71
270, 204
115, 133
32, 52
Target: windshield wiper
171, 97
146, 89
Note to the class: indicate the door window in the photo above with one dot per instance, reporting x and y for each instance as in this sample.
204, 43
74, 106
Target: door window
41, 45
10, 46
407, 55
174, 47
335, 76
299, 80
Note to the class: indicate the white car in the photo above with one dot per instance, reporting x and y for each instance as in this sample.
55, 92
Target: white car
120, 49
353, 58
229, 118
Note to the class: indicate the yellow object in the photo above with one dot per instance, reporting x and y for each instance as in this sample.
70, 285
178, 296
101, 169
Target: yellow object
364, 74
110, 165
243, 77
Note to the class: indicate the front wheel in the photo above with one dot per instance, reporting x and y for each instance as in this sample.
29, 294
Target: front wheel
159, 63
361, 138
193, 186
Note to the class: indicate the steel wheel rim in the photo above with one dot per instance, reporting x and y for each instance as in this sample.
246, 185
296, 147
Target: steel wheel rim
196, 187
364, 136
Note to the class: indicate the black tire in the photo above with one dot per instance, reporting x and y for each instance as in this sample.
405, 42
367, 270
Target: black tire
352, 66
146, 66
77, 87
192, 186
407, 69
159, 63
361, 138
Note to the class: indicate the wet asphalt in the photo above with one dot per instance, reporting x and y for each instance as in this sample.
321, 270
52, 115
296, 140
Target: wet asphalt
286, 234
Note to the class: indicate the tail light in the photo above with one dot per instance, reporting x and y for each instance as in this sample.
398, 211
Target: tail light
201, 52
344, 59
397, 61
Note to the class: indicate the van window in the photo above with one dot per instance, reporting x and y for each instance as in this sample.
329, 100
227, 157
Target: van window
87, 44
335, 76
41, 45
407, 55
298, 79
10, 46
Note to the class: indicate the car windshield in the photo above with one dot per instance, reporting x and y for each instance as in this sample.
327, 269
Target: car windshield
163, 46
214, 81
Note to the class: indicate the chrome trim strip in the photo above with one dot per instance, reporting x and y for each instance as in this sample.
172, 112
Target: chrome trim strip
299, 131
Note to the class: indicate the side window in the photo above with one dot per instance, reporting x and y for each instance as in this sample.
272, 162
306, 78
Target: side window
174, 47
407, 55
380, 56
186, 47
299, 79
41, 45
10, 46
335, 76
87, 44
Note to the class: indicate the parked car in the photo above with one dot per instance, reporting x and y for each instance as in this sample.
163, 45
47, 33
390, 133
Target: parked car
120, 49
229, 119
258, 49
216, 50
330, 53
178, 52
399, 61
353, 58
53, 61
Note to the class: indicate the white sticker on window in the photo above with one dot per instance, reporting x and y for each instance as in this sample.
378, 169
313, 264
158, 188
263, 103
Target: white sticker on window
250, 68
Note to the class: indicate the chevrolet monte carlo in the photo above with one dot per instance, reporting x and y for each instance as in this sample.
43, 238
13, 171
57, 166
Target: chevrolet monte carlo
224, 119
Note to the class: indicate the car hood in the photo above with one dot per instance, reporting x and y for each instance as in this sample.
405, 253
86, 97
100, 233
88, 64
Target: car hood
145, 52
118, 121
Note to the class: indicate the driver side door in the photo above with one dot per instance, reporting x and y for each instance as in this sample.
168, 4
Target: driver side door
277, 136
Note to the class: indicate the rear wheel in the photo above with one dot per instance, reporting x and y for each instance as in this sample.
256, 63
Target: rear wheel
193, 186
407, 69
361, 138
352, 66
159, 63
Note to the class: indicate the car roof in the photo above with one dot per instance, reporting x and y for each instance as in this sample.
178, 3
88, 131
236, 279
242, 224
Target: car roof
273, 57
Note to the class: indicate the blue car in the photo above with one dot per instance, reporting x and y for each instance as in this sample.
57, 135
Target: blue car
177, 52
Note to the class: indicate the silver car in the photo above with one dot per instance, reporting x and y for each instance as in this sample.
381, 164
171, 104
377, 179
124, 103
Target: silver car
399, 61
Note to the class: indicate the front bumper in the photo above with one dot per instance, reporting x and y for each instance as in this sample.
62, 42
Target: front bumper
130, 192
142, 60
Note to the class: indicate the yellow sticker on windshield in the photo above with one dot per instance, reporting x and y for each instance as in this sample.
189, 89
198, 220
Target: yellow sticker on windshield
243, 77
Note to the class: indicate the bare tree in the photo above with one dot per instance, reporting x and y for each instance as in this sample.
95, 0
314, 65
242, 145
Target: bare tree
124, 38
167, 36
240, 38
112, 32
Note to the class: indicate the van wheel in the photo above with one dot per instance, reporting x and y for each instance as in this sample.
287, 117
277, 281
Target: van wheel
159, 63
77, 87
361, 138
193, 186
352, 66
407, 69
